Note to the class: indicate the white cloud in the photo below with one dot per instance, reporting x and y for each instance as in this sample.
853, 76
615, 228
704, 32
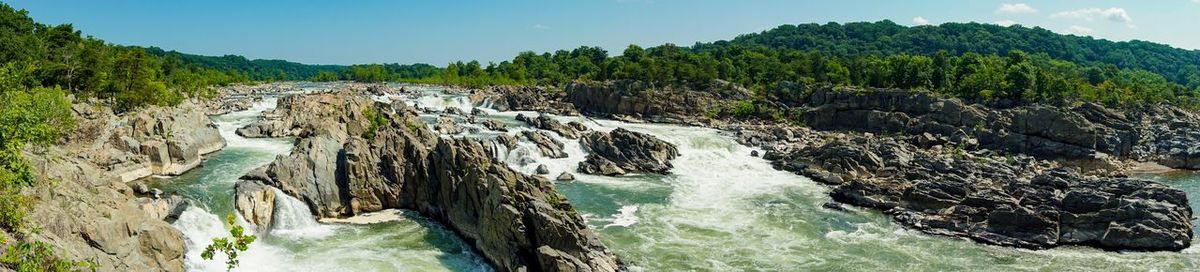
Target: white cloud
1018, 8
1112, 14
920, 21
1011, 22
1080, 30
540, 26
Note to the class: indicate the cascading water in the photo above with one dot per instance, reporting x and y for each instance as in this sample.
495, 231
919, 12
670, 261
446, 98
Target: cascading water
719, 210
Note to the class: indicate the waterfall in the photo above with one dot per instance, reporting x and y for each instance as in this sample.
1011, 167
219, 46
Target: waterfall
293, 219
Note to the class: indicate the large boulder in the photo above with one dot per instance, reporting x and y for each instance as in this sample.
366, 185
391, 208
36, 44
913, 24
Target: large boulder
255, 201
621, 151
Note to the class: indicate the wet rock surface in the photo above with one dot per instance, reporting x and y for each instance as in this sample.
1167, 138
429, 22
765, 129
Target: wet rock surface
623, 151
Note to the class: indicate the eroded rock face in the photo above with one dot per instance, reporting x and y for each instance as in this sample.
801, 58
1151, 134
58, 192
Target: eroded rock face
622, 151
255, 202
516, 222
1011, 201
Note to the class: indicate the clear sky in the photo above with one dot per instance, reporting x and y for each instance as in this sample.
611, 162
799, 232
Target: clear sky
437, 32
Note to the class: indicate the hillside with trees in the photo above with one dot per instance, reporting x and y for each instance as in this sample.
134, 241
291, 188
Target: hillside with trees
977, 62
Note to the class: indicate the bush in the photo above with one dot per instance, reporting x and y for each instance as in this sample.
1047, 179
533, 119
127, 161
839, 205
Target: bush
742, 109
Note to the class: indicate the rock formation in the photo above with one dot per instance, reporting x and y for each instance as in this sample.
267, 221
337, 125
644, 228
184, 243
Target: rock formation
546, 122
516, 222
548, 146
622, 151
91, 213
1012, 201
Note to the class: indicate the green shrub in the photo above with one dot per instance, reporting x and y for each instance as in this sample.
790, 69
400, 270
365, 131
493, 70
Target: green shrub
742, 109
230, 246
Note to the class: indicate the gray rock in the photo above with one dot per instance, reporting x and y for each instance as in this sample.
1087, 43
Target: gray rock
627, 151
546, 122
548, 146
542, 170
494, 125
565, 177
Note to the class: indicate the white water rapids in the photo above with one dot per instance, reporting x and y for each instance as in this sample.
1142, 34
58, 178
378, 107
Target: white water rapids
719, 210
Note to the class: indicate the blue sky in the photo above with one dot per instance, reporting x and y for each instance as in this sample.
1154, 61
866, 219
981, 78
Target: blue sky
437, 32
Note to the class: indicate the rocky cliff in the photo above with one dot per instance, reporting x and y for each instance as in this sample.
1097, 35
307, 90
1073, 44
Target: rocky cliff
83, 205
356, 156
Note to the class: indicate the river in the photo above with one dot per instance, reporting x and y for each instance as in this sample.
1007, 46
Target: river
719, 210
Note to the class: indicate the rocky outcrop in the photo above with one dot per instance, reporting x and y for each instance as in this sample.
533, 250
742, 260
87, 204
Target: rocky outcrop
1004, 200
183, 133
255, 202
494, 125
446, 125
1090, 136
669, 104
83, 206
516, 222
546, 122
622, 151
520, 98
548, 146
322, 114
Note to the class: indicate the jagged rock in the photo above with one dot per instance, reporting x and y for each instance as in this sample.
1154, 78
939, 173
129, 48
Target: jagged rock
494, 125
546, 122
478, 112
626, 151
542, 170
167, 208
1005, 201
446, 125
186, 131
549, 147
508, 141
453, 111
565, 177
255, 202
516, 222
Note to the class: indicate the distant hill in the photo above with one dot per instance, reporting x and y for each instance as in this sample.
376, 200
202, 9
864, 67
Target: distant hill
887, 38
257, 69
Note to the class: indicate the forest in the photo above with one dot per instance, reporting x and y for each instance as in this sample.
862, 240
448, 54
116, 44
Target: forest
1011, 65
